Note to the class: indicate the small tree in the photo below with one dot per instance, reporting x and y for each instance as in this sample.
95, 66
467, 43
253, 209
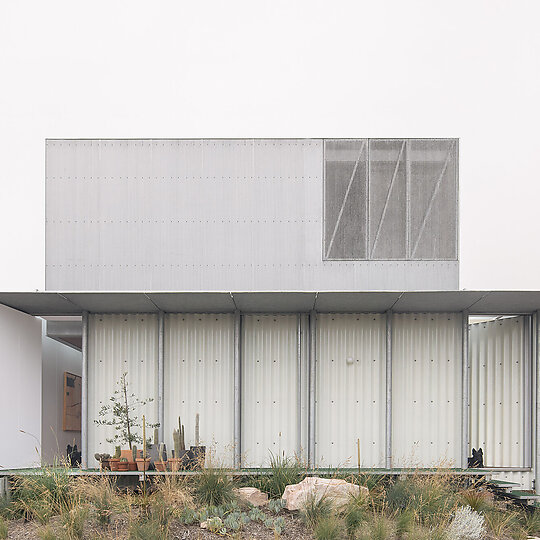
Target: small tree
120, 413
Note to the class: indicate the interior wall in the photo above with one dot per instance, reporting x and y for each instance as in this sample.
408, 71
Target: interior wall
56, 359
20, 393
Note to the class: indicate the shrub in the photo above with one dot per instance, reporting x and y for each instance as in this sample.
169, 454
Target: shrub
354, 517
73, 522
174, 490
46, 533
428, 497
315, 509
328, 528
276, 505
214, 524
214, 487
284, 471
43, 494
381, 528
101, 493
187, 516
404, 523
3, 528
466, 525
501, 523
531, 523
146, 529
477, 500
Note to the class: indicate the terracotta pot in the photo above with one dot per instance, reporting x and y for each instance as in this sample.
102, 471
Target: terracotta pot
143, 464
132, 466
161, 466
123, 466
113, 463
128, 454
174, 464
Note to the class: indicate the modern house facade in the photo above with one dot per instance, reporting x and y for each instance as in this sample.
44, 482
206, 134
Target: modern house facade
300, 295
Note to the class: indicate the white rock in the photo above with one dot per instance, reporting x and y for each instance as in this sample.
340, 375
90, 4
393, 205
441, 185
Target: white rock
338, 492
204, 525
252, 495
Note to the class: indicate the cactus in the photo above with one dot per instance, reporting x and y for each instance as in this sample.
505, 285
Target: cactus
197, 429
182, 432
117, 452
156, 436
161, 448
134, 452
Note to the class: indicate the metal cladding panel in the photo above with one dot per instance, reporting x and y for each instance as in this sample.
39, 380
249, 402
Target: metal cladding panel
120, 344
270, 371
207, 215
351, 389
199, 378
426, 389
499, 395
524, 478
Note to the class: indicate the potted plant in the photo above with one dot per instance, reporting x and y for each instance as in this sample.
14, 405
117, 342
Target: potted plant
123, 465
142, 461
103, 461
113, 462
119, 413
161, 463
197, 452
180, 457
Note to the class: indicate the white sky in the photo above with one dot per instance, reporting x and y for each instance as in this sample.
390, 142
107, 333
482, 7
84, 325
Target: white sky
415, 68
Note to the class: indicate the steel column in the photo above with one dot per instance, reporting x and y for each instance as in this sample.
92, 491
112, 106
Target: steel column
536, 378
237, 391
388, 389
84, 392
465, 390
161, 375
312, 386
299, 382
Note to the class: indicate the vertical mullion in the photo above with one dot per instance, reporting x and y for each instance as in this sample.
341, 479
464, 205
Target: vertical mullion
367, 180
408, 199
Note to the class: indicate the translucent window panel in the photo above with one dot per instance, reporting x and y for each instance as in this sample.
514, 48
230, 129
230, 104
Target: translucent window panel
391, 199
433, 196
387, 199
345, 199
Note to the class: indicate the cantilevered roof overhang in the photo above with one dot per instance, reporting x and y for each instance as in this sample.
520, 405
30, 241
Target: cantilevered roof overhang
64, 303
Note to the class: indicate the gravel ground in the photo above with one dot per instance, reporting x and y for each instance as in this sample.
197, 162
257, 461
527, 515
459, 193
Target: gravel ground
118, 529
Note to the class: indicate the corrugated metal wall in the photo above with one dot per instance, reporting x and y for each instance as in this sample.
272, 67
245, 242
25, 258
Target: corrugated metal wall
120, 344
199, 378
123, 215
350, 394
426, 388
270, 401
499, 394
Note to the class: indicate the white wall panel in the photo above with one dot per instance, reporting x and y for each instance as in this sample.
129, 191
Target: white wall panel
199, 378
498, 394
20, 395
270, 413
426, 383
120, 344
350, 394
